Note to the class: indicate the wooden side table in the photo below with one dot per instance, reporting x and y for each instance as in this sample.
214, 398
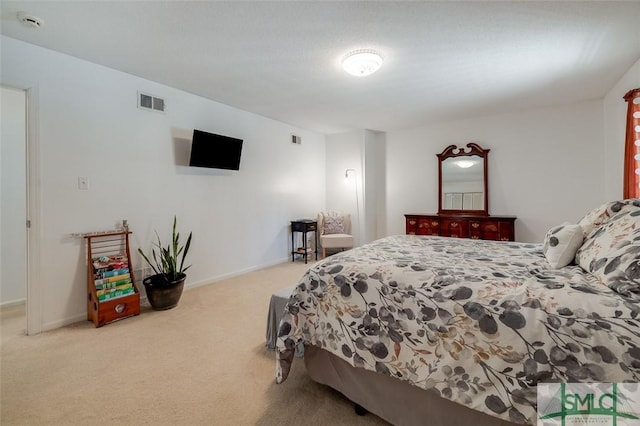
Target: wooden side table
304, 226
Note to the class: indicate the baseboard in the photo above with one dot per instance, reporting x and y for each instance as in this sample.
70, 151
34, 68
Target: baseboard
67, 321
83, 317
12, 303
234, 274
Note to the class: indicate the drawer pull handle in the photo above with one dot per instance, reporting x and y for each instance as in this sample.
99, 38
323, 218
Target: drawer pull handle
475, 225
434, 223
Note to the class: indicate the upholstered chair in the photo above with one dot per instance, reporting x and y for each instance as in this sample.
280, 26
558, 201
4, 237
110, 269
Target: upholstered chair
334, 229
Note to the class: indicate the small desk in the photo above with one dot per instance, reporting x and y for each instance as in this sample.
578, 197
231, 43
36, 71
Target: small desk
304, 226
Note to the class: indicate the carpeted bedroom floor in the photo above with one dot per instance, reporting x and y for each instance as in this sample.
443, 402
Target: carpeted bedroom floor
202, 363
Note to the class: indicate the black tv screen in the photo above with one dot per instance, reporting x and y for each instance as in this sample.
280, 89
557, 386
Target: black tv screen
215, 151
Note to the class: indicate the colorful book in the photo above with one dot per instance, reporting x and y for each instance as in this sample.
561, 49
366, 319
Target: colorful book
113, 279
113, 273
116, 294
114, 289
98, 272
115, 284
108, 263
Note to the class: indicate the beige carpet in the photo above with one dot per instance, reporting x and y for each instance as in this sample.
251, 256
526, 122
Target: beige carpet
202, 363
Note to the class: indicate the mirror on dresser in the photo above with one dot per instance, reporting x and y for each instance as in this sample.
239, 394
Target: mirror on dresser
462, 180
463, 210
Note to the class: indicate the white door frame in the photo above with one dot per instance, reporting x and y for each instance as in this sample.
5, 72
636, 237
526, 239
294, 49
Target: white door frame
34, 214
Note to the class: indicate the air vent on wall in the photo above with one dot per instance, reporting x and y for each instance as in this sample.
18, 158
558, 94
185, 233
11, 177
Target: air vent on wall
149, 102
296, 139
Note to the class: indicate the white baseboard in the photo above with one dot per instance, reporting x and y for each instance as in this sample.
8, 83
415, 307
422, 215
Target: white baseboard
83, 317
234, 274
11, 303
67, 321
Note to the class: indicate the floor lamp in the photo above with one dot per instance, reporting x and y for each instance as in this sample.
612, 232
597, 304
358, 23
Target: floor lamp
355, 179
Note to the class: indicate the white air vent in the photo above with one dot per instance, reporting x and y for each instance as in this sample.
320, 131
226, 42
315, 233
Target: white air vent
149, 102
158, 104
296, 139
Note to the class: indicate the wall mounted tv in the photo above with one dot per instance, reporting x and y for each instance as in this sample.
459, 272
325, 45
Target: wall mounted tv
215, 151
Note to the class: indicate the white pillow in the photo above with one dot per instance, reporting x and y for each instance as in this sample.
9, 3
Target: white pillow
561, 244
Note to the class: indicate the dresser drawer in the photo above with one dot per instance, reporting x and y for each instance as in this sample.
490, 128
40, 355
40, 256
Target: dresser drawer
490, 230
506, 231
428, 226
411, 225
455, 228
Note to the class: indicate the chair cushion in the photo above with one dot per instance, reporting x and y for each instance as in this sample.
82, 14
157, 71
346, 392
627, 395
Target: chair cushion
336, 241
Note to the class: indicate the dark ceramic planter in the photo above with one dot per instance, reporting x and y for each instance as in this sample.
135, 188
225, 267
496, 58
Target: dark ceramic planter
163, 295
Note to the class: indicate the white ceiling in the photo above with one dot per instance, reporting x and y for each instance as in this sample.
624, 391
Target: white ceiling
443, 60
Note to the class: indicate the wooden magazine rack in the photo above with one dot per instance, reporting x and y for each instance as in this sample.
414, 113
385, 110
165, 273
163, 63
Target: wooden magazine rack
112, 293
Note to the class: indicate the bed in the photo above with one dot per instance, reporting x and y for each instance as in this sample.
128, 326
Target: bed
413, 327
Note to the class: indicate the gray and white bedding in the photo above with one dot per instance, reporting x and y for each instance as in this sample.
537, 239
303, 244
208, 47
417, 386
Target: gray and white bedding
477, 322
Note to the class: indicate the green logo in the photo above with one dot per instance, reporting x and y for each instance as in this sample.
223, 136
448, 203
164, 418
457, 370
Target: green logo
572, 404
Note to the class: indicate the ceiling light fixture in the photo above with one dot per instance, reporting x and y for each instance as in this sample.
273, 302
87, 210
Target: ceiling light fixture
362, 62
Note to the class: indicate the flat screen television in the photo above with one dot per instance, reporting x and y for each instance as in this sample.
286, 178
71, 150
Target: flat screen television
215, 151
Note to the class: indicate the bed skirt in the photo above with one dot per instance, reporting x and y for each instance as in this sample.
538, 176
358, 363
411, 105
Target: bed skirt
395, 401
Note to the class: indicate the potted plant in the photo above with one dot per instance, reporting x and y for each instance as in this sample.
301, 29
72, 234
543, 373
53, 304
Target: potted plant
164, 288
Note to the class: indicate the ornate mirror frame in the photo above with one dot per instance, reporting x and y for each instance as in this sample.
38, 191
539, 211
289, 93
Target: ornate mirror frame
453, 151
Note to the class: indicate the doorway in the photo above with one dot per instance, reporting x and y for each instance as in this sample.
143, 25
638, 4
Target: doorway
13, 211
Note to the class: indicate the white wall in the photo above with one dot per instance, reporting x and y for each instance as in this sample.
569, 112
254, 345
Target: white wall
13, 202
346, 151
615, 117
374, 185
364, 151
135, 160
545, 165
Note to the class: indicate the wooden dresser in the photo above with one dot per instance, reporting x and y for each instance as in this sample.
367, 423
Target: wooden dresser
498, 228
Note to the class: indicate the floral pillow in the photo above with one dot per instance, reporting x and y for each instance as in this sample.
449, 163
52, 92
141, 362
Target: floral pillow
561, 243
596, 217
612, 251
333, 223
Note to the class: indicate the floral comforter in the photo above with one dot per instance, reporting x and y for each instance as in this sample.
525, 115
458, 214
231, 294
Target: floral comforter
477, 322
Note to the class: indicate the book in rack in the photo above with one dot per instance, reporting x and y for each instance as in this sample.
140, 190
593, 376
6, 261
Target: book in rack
112, 293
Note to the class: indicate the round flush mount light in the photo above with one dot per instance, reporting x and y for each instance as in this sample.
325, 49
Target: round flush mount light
30, 20
362, 62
